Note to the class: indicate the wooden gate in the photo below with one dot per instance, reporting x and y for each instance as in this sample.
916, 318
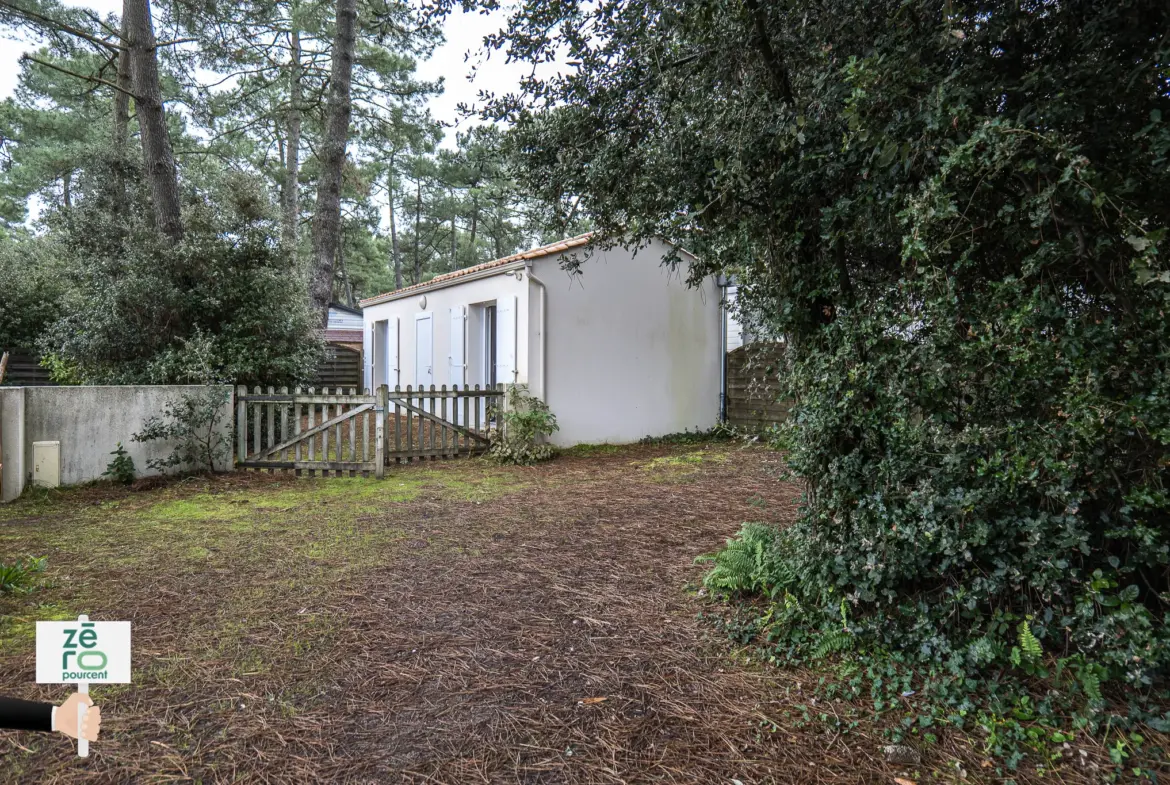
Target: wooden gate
283, 430
429, 422
346, 433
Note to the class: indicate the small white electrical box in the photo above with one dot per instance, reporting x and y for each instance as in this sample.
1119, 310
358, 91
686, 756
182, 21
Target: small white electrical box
47, 464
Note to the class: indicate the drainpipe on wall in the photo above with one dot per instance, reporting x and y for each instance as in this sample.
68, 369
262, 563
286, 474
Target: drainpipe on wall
543, 332
722, 282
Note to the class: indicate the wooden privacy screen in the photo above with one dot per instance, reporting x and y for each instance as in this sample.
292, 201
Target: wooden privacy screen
752, 396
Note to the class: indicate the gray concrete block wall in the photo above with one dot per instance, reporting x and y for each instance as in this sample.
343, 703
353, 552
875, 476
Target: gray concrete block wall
88, 422
11, 442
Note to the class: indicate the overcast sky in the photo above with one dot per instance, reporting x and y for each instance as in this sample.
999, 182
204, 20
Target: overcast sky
464, 34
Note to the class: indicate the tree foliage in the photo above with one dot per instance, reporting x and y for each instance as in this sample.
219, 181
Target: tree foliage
955, 212
83, 274
220, 305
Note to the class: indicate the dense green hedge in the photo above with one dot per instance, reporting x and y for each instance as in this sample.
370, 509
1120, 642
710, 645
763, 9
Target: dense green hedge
107, 301
956, 213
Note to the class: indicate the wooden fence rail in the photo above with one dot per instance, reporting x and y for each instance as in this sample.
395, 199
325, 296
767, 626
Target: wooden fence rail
307, 430
347, 432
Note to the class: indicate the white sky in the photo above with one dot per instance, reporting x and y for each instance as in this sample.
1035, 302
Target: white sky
464, 33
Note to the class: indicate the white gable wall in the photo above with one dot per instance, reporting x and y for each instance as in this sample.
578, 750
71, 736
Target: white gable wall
472, 294
632, 351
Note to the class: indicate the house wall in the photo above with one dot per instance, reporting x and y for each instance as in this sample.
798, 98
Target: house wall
89, 422
439, 304
632, 350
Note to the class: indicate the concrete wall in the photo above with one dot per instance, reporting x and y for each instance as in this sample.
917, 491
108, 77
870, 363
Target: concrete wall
474, 294
632, 350
89, 422
11, 442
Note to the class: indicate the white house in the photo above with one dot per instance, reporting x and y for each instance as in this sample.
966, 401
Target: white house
621, 350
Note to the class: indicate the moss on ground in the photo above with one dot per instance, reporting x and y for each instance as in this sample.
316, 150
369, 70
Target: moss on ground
175, 522
317, 530
680, 467
18, 629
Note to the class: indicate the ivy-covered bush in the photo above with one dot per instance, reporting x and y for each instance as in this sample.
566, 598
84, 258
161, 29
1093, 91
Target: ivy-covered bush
956, 214
523, 425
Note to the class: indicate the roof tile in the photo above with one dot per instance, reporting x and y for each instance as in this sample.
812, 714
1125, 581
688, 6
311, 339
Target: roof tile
535, 253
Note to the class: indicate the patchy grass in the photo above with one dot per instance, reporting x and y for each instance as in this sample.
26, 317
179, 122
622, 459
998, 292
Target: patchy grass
682, 467
587, 450
456, 622
18, 630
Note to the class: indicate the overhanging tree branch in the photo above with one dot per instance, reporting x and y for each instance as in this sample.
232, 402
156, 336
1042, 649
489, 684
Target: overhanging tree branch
86, 77
33, 16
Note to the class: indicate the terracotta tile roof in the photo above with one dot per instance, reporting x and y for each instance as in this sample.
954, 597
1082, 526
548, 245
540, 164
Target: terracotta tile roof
446, 278
343, 336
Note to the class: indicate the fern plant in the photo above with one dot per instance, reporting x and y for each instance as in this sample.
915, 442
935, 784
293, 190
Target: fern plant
1029, 644
747, 563
833, 641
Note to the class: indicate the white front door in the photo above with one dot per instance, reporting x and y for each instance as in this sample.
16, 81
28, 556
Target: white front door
423, 351
457, 359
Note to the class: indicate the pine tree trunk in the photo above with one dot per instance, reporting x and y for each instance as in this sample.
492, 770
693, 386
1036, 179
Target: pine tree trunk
474, 226
121, 137
157, 157
417, 229
122, 98
339, 107
500, 227
454, 232
290, 195
393, 229
345, 273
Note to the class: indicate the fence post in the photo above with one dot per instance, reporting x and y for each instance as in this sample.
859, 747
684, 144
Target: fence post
283, 426
503, 406
241, 424
379, 426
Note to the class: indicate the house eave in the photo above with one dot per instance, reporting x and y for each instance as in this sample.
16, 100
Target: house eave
502, 269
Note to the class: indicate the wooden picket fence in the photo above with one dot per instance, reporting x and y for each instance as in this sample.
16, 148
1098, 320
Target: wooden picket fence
342, 432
